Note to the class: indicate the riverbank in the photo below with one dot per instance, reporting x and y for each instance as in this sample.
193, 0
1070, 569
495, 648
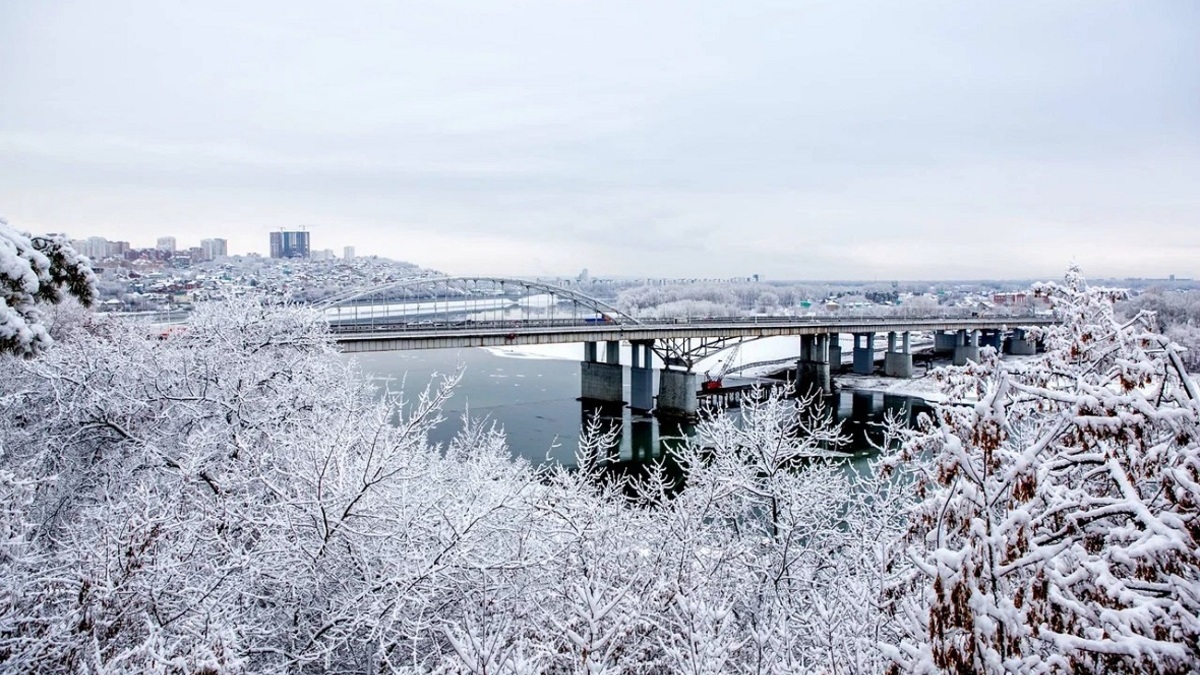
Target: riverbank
924, 387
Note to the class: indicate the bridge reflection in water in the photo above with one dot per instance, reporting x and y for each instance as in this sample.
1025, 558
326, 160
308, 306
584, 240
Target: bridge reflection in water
643, 441
536, 403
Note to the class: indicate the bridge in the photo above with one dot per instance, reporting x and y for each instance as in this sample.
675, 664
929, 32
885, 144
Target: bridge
460, 312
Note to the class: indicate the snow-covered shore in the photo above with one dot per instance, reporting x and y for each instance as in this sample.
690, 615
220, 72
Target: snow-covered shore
924, 387
768, 349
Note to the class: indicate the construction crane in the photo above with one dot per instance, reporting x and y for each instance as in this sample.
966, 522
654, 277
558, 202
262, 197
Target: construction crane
714, 381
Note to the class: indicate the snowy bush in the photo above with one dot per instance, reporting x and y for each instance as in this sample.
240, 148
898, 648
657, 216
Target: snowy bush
1060, 530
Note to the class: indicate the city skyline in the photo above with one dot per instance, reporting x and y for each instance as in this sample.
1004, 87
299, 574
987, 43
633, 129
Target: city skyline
83, 243
87, 246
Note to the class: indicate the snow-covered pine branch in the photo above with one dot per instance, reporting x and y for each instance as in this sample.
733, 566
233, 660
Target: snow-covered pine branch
34, 272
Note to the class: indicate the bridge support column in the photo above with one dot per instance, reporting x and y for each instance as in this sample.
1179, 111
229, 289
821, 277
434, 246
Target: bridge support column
898, 363
991, 337
812, 370
864, 353
966, 347
944, 342
641, 377
600, 381
1021, 345
835, 353
612, 351
677, 394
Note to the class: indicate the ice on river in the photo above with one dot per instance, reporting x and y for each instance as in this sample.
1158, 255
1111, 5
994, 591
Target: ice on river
766, 349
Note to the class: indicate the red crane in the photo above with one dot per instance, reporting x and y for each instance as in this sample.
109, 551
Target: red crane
714, 381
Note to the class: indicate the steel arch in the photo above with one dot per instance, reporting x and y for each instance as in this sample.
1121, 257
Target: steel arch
557, 291
687, 352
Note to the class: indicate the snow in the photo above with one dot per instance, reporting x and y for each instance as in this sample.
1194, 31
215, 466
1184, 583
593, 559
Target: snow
785, 349
559, 352
926, 387
29, 279
765, 349
240, 492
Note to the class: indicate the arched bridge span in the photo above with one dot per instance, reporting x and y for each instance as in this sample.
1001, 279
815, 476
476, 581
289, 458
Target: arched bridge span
479, 303
447, 298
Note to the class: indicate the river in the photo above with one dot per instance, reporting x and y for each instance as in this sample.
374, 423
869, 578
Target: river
533, 396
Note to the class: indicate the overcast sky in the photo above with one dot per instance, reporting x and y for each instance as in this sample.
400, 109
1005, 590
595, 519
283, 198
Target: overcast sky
834, 140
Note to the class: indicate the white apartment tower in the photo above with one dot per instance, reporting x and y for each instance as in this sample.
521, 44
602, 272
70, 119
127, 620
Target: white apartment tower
214, 248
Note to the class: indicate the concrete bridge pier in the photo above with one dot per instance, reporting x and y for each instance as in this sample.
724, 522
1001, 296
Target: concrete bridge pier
812, 370
966, 347
601, 381
864, 353
991, 337
641, 377
1020, 344
677, 394
898, 363
834, 353
944, 342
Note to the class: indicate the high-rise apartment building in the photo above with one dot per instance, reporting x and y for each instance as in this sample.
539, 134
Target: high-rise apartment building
99, 248
165, 244
286, 244
92, 247
348, 253
214, 248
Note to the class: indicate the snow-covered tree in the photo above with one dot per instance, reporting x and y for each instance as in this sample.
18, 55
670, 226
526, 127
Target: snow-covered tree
1187, 337
225, 499
1060, 530
793, 540
35, 271
1177, 315
236, 498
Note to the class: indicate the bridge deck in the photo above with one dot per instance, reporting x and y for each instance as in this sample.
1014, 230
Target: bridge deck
367, 338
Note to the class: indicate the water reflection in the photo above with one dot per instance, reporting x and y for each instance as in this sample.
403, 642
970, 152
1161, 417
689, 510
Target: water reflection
862, 413
536, 403
640, 442
637, 438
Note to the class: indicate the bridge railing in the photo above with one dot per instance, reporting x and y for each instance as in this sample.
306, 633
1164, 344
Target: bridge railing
364, 326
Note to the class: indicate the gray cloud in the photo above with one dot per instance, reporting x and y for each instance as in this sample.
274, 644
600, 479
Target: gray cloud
793, 139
